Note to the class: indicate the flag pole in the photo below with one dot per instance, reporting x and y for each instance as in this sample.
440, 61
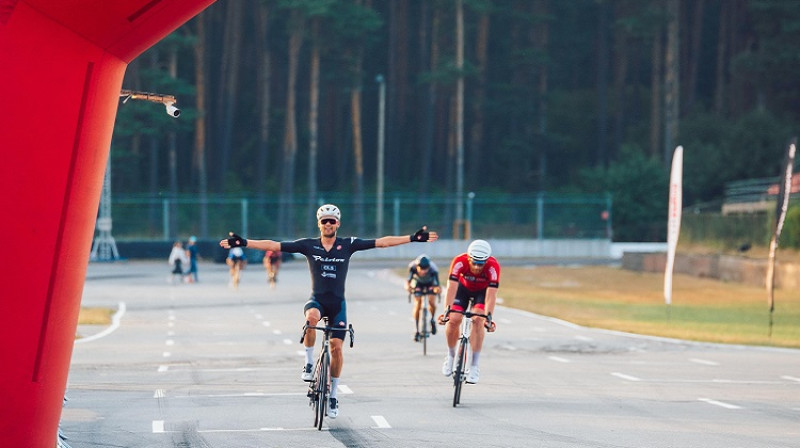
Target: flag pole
781, 205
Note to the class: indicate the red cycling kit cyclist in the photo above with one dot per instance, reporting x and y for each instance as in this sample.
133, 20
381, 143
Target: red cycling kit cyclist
474, 276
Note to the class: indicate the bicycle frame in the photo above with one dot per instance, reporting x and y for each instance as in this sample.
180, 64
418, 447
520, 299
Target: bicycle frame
319, 388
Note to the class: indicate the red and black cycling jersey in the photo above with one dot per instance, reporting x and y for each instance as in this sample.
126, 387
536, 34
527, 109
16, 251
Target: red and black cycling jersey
328, 268
489, 277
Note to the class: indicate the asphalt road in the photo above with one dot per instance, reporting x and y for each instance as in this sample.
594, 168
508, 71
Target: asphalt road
203, 365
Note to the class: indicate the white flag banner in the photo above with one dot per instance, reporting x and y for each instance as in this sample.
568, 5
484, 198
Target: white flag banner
674, 220
781, 206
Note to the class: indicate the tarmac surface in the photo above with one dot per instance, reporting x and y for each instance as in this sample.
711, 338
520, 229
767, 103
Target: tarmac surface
204, 365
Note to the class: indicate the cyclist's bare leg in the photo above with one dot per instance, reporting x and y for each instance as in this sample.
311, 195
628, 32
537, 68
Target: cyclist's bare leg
432, 304
451, 329
417, 308
478, 333
313, 317
337, 357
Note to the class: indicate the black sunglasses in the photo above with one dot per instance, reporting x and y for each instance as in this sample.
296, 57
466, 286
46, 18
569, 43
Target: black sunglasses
327, 221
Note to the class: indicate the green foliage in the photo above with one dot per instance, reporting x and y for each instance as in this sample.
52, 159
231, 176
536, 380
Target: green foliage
790, 235
639, 187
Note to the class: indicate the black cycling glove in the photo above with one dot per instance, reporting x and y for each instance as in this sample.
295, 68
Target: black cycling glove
421, 235
236, 241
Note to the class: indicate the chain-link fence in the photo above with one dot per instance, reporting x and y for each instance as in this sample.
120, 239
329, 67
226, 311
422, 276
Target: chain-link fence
540, 216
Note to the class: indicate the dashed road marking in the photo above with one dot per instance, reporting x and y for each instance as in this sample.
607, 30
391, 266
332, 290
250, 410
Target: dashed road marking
558, 359
158, 426
162, 369
791, 378
381, 421
160, 393
344, 389
719, 403
704, 362
625, 377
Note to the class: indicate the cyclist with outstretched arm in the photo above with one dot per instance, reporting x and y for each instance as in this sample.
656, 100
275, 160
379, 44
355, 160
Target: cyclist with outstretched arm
328, 260
474, 275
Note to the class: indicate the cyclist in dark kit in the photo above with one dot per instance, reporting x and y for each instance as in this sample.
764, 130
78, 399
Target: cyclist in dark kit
328, 259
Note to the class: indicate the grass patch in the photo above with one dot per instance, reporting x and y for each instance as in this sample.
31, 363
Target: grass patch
612, 298
95, 316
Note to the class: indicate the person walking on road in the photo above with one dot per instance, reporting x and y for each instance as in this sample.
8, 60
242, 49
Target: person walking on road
328, 260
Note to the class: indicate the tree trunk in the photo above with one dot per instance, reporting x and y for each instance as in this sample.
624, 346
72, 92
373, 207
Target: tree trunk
459, 129
656, 82
264, 94
671, 81
720, 78
199, 153
478, 99
601, 86
313, 113
621, 55
285, 212
696, 40
228, 93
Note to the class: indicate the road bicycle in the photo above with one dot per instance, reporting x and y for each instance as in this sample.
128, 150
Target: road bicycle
319, 389
460, 362
424, 320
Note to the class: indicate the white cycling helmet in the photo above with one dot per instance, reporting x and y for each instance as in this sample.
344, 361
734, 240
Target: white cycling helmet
479, 250
329, 210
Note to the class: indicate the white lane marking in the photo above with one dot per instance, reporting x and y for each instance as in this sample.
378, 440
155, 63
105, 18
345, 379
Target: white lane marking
584, 338
791, 378
719, 403
166, 354
344, 389
381, 421
116, 319
158, 426
558, 359
170, 324
163, 368
160, 393
170, 333
259, 316
245, 394
266, 324
277, 332
171, 317
290, 342
170, 342
625, 377
705, 362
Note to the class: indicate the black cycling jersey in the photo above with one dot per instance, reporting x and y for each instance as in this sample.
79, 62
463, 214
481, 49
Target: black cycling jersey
328, 269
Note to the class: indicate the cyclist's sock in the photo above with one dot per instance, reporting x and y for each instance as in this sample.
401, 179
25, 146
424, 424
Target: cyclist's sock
451, 352
334, 386
310, 355
475, 358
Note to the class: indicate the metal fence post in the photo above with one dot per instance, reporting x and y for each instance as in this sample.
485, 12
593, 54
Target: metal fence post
396, 216
540, 216
244, 217
165, 217
468, 227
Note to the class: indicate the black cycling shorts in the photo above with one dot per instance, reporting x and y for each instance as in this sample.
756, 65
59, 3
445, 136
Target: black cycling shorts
335, 309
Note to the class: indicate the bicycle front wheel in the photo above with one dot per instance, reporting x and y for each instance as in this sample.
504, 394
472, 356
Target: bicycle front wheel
321, 382
424, 330
458, 373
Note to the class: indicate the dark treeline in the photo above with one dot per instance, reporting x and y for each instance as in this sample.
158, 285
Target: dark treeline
281, 98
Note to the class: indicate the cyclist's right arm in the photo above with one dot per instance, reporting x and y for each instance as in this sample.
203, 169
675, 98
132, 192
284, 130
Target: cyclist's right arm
264, 245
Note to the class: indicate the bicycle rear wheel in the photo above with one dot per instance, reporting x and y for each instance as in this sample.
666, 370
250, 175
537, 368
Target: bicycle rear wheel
458, 373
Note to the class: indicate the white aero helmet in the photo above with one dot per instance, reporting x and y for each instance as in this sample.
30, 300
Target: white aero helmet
329, 210
479, 250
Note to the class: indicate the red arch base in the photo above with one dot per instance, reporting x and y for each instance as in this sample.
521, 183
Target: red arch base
61, 69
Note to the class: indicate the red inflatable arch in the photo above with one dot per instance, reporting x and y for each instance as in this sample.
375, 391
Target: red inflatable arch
61, 69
